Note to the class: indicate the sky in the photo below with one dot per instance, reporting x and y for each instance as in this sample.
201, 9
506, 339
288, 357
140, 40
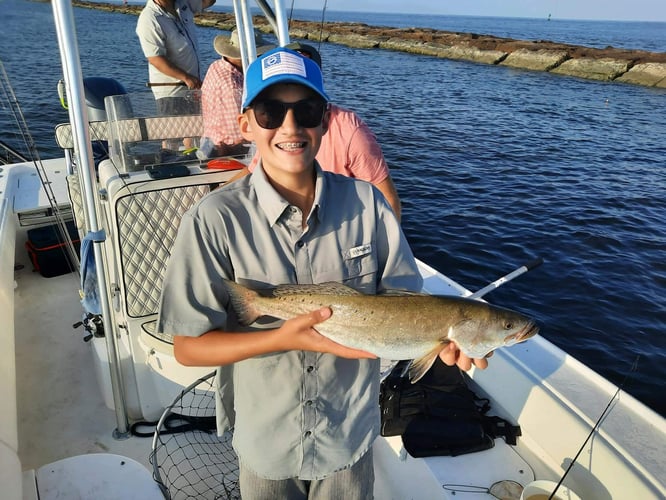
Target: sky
614, 10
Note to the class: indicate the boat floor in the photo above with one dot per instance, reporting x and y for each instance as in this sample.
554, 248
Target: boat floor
61, 412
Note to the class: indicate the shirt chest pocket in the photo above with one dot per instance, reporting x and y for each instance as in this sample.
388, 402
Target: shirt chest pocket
357, 268
359, 261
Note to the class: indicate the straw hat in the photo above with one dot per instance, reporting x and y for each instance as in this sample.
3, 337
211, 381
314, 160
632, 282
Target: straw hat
229, 46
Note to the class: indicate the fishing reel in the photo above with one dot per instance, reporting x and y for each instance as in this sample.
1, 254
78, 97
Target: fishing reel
92, 325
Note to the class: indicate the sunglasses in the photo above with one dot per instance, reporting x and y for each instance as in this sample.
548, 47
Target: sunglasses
270, 113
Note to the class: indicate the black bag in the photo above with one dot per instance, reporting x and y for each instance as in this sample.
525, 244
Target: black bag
439, 415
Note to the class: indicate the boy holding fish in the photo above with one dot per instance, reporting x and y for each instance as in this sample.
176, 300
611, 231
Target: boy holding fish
307, 407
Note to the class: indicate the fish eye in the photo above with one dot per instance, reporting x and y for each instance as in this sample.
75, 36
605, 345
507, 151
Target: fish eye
508, 325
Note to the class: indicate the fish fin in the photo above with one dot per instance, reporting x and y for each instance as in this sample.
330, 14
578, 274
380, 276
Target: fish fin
242, 300
328, 288
420, 366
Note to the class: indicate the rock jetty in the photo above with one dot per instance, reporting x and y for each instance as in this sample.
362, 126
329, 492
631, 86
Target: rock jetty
637, 67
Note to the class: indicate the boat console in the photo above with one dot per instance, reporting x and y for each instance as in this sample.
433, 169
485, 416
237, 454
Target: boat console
151, 177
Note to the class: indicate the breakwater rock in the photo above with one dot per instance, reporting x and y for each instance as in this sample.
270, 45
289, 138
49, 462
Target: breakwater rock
610, 64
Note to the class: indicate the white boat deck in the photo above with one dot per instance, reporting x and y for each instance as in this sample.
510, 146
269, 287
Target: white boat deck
61, 410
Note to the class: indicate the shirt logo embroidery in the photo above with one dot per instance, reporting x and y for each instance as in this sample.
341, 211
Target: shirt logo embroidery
359, 251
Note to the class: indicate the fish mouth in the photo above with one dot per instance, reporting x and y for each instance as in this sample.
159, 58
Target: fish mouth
530, 330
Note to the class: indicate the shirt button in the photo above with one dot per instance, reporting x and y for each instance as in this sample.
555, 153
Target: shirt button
310, 369
308, 402
307, 434
300, 244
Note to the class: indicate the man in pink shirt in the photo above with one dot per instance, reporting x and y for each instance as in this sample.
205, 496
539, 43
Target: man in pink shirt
221, 94
348, 147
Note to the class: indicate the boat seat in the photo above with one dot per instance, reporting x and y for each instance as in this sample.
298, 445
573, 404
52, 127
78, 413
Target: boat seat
155, 128
160, 339
76, 198
65, 138
135, 129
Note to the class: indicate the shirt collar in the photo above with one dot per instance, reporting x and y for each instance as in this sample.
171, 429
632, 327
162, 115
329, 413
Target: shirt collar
273, 204
178, 5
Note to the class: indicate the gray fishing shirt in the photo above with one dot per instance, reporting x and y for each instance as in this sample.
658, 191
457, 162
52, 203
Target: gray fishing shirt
297, 413
162, 34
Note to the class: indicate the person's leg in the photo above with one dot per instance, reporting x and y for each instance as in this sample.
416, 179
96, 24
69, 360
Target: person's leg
253, 487
355, 483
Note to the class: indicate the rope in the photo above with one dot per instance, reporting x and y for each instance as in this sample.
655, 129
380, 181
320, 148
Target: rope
175, 423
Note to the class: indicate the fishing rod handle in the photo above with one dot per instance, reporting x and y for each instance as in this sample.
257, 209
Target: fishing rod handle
164, 84
534, 263
513, 274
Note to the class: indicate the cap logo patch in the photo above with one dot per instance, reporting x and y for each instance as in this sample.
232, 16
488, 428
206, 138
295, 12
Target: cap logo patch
282, 63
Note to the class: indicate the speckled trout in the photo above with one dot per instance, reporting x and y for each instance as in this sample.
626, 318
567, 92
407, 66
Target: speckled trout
394, 325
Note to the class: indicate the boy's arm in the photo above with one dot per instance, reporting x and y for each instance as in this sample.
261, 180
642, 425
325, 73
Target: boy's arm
217, 347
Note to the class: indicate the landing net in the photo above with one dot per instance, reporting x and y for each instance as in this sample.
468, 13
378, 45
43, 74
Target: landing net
189, 459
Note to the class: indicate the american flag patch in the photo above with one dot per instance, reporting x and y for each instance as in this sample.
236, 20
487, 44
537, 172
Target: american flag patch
282, 63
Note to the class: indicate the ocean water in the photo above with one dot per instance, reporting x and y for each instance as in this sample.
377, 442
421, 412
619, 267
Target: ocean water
494, 166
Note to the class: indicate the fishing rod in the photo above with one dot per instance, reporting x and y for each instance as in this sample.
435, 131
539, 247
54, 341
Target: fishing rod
164, 84
504, 279
634, 368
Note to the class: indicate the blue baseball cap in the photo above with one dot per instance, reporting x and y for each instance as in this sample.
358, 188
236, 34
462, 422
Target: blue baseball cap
281, 65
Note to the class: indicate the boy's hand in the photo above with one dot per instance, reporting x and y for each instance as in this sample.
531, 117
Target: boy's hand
300, 333
451, 355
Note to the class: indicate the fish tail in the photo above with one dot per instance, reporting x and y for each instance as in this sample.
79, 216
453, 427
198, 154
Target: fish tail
420, 366
243, 302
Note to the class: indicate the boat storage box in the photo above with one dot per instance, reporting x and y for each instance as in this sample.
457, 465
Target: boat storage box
48, 251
